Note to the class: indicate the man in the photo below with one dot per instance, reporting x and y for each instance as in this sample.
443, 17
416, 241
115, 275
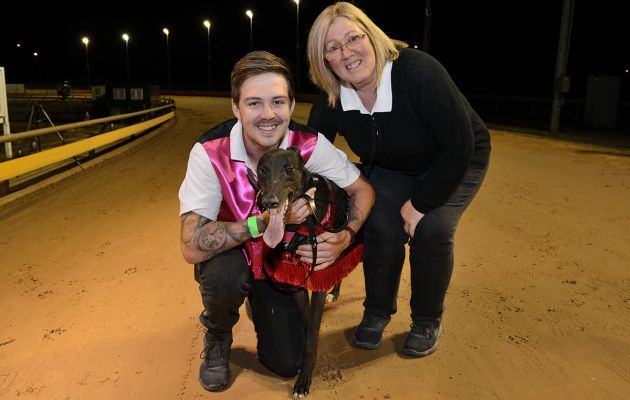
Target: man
221, 224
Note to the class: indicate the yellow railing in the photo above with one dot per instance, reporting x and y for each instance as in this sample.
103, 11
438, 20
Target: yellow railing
19, 166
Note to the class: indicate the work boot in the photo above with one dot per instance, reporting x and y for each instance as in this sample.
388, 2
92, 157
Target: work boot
214, 372
370, 331
423, 338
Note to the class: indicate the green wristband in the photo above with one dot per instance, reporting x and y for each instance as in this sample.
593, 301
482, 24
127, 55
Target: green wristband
252, 224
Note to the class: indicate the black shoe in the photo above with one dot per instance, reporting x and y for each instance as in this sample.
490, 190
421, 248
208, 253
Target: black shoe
423, 339
369, 332
214, 372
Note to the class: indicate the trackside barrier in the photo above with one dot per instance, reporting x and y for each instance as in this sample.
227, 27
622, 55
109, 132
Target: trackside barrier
60, 128
19, 166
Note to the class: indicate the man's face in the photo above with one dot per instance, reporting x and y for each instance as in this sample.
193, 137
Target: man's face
264, 110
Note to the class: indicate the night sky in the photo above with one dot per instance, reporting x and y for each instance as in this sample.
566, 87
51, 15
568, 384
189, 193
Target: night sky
489, 47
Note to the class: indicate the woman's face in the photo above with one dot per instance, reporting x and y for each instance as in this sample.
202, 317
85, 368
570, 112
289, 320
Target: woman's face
349, 53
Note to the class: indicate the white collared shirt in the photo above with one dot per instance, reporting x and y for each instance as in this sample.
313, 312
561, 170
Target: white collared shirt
350, 99
201, 191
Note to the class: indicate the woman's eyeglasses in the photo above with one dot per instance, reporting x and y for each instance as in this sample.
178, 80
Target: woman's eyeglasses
334, 52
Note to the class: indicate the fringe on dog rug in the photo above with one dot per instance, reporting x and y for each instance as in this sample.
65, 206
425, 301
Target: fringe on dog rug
289, 269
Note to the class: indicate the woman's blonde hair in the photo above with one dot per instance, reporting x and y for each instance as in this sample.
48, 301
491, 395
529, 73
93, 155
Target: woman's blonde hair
385, 48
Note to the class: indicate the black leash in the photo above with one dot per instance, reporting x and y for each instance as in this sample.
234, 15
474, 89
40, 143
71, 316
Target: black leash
310, 203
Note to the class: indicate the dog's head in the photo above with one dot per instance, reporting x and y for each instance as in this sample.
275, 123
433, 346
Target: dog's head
281, 179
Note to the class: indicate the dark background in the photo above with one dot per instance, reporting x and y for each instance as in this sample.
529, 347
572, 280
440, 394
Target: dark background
504, 48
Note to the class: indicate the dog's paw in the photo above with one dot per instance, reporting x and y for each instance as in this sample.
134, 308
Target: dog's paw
301, 387
297, 395
333, 295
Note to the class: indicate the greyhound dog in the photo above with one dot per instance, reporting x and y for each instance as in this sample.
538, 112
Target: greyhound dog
282, 179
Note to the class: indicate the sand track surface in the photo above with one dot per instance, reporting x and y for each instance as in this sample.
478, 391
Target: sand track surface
96, 301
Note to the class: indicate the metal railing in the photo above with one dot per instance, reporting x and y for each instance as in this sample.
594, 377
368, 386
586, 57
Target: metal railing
48, 94
60, 128
15, 167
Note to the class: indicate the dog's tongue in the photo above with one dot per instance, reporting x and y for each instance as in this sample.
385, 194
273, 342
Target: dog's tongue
275, 228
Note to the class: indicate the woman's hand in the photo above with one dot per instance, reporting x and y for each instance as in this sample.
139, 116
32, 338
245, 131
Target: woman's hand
329, 247
298, 211
411, 217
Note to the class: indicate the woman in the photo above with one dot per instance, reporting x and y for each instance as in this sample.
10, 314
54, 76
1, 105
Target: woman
424, 150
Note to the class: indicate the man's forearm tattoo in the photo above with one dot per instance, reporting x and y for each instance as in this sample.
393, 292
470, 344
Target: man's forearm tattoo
212, 237
354, 214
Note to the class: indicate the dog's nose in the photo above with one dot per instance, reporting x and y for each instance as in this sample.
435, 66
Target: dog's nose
270, 202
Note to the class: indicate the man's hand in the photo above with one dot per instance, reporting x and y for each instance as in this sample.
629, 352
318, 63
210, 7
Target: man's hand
411, 217
329, 247
299, 210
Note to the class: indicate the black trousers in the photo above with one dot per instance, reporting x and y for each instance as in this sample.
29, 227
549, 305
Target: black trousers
224, 282
431, 249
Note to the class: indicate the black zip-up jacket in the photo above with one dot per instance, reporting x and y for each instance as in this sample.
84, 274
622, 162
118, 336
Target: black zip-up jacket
431, 130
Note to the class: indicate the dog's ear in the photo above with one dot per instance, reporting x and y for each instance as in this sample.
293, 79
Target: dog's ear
305, 175
252, 180
295, 150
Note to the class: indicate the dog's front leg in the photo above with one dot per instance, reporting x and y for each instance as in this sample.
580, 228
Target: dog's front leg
313, 323
301, 298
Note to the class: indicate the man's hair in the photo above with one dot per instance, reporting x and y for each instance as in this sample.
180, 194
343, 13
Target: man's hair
256, 63
385, 48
